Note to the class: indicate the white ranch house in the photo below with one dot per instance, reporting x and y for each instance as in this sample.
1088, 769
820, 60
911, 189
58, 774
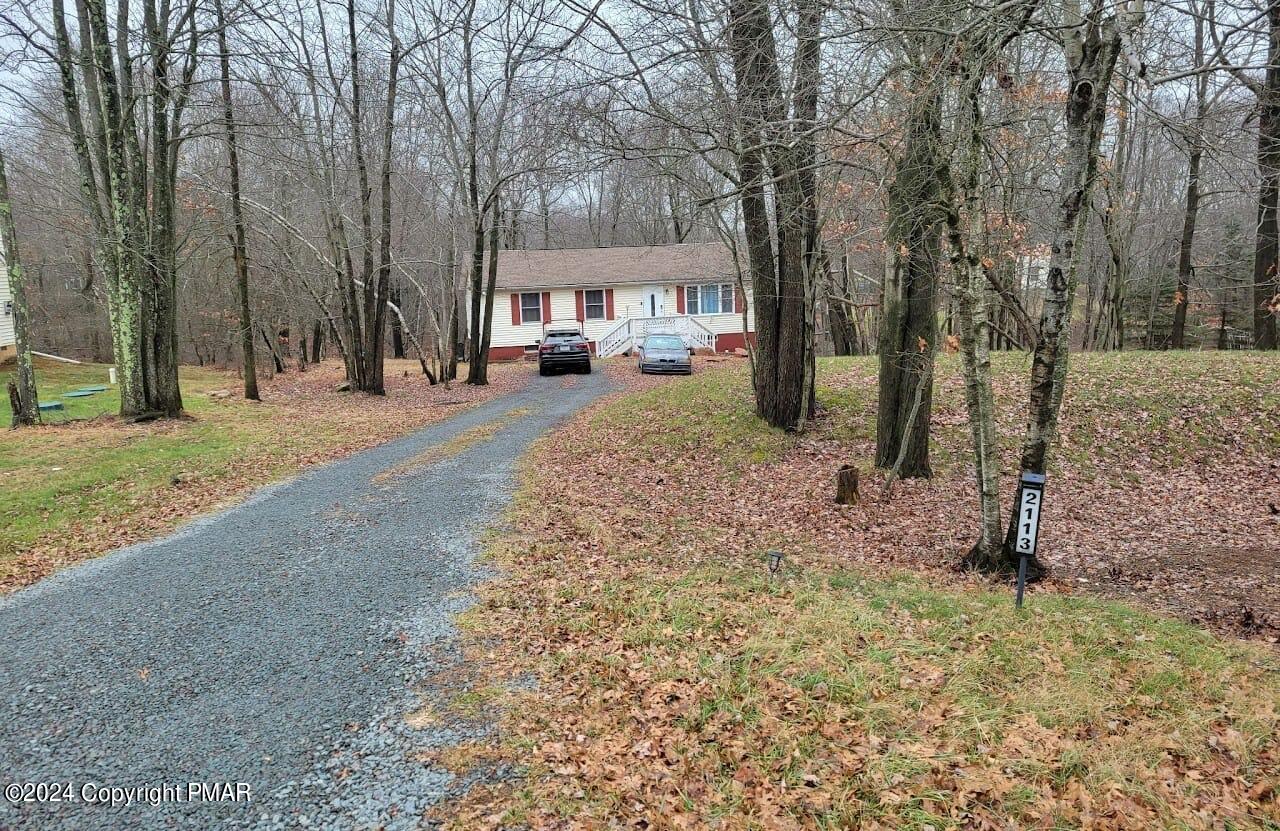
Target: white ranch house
618, 294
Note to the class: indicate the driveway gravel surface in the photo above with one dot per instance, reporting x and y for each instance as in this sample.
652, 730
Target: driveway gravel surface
279, 644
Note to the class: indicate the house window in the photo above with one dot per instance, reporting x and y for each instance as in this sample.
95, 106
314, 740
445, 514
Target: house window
593, 304
531, 307
709, 299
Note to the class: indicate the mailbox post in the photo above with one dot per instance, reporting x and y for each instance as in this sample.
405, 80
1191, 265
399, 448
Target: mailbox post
1030, 497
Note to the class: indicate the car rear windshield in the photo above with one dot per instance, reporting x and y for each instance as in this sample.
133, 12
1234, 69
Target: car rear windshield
664, 343
565, 338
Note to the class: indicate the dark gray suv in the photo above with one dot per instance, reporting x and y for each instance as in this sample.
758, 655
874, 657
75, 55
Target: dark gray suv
564, 350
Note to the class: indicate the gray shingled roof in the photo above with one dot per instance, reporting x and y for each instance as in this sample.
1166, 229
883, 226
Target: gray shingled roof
589, 267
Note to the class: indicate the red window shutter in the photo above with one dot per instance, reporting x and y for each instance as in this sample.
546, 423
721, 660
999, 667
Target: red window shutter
679, 300
608, 304
515, 310
582, 306
546, 307
739, 302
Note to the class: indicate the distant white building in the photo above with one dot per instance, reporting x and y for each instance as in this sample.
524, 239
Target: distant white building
7, 349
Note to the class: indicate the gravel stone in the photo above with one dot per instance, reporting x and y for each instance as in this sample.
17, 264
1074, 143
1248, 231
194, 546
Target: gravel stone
280, 643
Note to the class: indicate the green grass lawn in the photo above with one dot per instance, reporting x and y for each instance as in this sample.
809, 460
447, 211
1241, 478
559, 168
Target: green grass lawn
78, 476
1180, 406
855, 700
54, 379
680, 686
85, 483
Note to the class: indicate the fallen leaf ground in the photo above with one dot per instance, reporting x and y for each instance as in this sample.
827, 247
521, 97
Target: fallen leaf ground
73, 489
870, 684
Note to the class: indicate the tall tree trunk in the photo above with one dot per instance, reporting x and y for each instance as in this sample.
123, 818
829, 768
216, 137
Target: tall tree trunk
1266, 280
164, 394
27, 405
128, 184
1091, 45
489, 290
1192, 206
909, 307
366, 309
397, 328
966, 229
1182, 297
1116, 229
782, 288
764, 275
450, 370
477, 373
105, 157
317, 341
239, 250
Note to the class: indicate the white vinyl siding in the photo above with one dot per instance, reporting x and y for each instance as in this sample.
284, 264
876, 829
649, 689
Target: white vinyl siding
6, 309
628, 301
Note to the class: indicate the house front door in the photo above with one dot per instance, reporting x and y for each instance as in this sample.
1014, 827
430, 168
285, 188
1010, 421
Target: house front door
654, 304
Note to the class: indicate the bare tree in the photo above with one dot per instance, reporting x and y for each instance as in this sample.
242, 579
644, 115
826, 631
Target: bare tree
128, 170
23, 399
964, 185
1092, 40
909, 297
1266, 91
239, 250
776, 146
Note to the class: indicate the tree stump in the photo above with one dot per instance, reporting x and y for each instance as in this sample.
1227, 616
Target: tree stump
847, 485
15, 404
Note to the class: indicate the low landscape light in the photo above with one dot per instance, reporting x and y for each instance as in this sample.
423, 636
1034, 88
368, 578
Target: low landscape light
775, 561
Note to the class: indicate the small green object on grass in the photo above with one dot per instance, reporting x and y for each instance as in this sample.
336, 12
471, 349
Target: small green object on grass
76, 394
49, 406
92, 389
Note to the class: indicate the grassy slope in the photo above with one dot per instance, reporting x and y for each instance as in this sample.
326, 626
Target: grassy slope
1179, 407
55, 378
57, 479
70, 490
678, 684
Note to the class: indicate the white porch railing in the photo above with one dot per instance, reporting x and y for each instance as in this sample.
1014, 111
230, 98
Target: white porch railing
628, 330
615, 341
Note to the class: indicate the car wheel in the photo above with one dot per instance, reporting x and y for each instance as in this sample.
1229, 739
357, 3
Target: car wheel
542, 370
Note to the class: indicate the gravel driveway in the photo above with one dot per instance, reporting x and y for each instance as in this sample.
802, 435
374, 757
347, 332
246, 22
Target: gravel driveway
279, 644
